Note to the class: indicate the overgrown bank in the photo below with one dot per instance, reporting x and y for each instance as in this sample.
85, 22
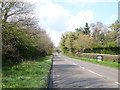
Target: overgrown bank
22, 37
29, 74
88, 42
105, 63
94, 39
23, 42
105, 57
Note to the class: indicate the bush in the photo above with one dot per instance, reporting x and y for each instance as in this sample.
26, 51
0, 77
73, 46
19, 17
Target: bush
104, 50
106, 57
20, 44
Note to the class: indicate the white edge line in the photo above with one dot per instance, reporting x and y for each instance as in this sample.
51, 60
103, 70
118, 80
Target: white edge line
54, 63
95, 73
82, 67
117, 83
74, 63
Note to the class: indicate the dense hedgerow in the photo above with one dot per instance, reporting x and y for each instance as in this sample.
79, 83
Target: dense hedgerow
22, 38
106, 57
19, 44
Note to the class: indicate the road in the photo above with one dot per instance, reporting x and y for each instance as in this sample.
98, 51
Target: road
72, 73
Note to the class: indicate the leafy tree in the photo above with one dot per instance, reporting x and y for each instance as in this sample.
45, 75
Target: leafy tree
73, 42
115, 30
79, 30
83, 42
96, 30
86, 29
22, 38
63, 41
69, 41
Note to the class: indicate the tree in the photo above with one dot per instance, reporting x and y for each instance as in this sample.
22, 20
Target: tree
73, 42
115, 30
63, 42
96, 30
83, 42
86, 29
22, 38
79, 30
15, 10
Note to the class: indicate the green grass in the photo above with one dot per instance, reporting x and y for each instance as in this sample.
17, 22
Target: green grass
105, 63
30, 74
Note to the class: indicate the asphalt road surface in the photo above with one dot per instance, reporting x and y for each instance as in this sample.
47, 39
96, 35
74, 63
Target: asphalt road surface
72, 73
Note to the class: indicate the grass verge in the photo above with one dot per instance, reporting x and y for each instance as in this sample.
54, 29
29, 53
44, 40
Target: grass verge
30, 74
105, 63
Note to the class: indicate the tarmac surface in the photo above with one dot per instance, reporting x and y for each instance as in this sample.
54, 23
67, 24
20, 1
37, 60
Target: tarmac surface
72, 73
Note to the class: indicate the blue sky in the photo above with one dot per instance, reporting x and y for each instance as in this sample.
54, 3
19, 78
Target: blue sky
105, 12
59, 16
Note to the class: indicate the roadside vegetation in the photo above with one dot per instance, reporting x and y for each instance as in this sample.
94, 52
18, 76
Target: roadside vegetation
105, 63
26, 47
22, 38
96, 39
84, 43
29, 74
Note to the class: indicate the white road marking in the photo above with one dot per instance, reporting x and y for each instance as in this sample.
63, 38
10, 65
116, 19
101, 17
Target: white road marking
82, 67
56, 81
69, 61
117, 83
95, 73
89, 71
54, 63
53, 76
58, 75
74, 63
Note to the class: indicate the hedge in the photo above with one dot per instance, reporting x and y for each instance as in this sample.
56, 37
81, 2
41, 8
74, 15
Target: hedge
104, 50
106, 57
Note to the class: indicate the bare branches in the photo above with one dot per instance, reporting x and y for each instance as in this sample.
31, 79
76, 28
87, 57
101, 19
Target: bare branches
12, 9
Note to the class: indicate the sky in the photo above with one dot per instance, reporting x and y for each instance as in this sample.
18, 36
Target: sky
59, 16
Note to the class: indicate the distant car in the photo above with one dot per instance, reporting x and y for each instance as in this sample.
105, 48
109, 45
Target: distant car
58, 51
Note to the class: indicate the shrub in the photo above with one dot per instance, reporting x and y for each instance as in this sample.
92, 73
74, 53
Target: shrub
104, 50
20, 44
106, 57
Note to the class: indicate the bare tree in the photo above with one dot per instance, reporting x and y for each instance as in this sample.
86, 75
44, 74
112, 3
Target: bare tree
15, 10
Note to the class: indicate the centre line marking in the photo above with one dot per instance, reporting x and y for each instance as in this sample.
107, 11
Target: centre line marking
117, 83
82, 67
54, 63
74, 63
95, 73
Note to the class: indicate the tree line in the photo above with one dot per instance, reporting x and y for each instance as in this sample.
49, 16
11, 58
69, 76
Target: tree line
22, 38
97, 35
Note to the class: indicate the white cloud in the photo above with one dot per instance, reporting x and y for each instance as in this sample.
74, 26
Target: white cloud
55, 36
114, 17
52, 16
74, 1
52, 10
80, 19
71, 1
56, 20
34, 1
